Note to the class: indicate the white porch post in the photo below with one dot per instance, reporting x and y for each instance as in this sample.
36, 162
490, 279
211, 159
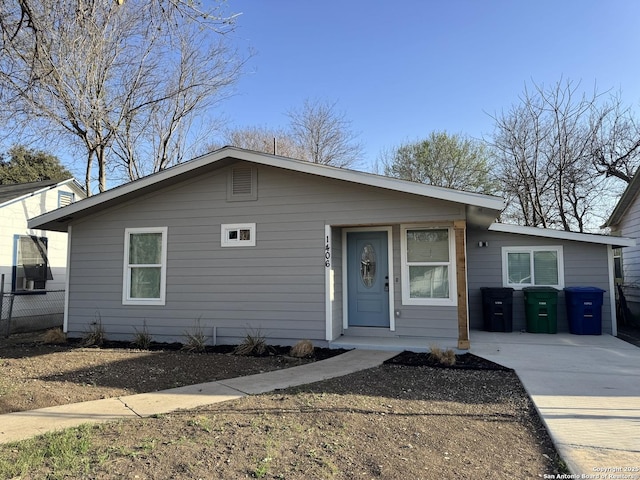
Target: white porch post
328, 284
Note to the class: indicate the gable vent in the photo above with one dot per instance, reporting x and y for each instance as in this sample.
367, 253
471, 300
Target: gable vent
243, 184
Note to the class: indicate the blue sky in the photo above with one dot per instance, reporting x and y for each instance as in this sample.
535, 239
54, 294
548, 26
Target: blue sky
399, 70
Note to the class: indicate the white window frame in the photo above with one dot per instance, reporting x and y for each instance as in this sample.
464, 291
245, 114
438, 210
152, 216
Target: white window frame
18, 262
531, 250
227, 228
126, 285
452, 300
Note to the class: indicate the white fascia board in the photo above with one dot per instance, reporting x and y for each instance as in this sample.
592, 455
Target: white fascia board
563, 235
125, 189
474, 199
370, 179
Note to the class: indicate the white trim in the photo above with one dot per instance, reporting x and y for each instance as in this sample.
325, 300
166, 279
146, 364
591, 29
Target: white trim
58, 220
612, 292
530, 249
65, 316
329, 285
563, 235
452, 301
345, 282
126, 278
226, 228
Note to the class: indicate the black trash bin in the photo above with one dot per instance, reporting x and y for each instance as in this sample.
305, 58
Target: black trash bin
584, 310
497, 309
541, 309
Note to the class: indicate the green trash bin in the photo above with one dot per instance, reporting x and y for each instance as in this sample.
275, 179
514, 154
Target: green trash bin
541, 309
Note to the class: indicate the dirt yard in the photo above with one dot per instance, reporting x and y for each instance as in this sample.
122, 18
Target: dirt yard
402, 420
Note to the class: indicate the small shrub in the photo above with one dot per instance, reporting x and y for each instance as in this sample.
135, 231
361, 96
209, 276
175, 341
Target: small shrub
302, 349
55, 336
196, 339
443, 357
254, 344
142, 338
96, 336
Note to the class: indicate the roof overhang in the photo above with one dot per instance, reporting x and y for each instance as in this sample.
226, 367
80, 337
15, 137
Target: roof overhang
564, 235
71, 182
481, 209
626, 200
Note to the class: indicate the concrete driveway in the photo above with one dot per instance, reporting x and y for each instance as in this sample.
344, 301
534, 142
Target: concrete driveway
587, 391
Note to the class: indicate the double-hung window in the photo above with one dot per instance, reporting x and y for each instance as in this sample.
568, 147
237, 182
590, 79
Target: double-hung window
145, 266
532, 267
31, 269
428, 266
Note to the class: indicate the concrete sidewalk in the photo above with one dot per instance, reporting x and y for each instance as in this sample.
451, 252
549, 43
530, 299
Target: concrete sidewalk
21, 425
586, 390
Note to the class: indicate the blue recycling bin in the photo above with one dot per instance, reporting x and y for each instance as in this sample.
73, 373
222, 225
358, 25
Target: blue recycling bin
584, 310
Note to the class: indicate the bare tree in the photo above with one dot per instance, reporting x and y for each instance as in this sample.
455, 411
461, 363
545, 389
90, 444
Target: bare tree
262, 139
616, 145
324, 134
112, 77
547, 152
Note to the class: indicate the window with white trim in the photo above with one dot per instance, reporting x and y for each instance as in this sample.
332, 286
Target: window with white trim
428, 266
532, 267
145, 266
238, 235
31, 268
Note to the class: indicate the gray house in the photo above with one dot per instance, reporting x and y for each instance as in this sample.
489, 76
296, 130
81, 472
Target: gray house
237, 241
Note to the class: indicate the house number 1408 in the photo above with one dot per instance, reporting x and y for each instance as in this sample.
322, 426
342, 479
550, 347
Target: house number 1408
327, 254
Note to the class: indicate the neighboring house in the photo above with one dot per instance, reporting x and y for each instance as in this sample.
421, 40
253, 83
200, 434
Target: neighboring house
625, 221
238, 242
33, 261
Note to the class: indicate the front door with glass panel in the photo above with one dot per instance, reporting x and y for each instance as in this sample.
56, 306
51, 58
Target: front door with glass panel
368, 279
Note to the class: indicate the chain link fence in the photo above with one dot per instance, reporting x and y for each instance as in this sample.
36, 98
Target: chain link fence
30, 313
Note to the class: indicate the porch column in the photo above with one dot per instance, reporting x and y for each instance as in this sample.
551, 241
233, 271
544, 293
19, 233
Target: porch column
459, 227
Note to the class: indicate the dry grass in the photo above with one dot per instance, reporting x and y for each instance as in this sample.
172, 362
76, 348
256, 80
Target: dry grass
96, 336
196, 340
254, 344
142, 338
55, 336
302, 349
443, 357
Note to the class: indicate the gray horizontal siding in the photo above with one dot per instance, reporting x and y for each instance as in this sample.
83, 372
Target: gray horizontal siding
630, 227
585, 264
277, 286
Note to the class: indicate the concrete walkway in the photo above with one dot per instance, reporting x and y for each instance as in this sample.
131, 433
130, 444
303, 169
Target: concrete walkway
21, 425
586, 390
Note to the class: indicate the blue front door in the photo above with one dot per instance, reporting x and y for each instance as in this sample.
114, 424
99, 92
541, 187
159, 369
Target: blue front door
368, 279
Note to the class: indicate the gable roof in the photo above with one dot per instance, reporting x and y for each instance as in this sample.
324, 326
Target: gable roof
15, 192
481, 209
626, 200
563, 235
